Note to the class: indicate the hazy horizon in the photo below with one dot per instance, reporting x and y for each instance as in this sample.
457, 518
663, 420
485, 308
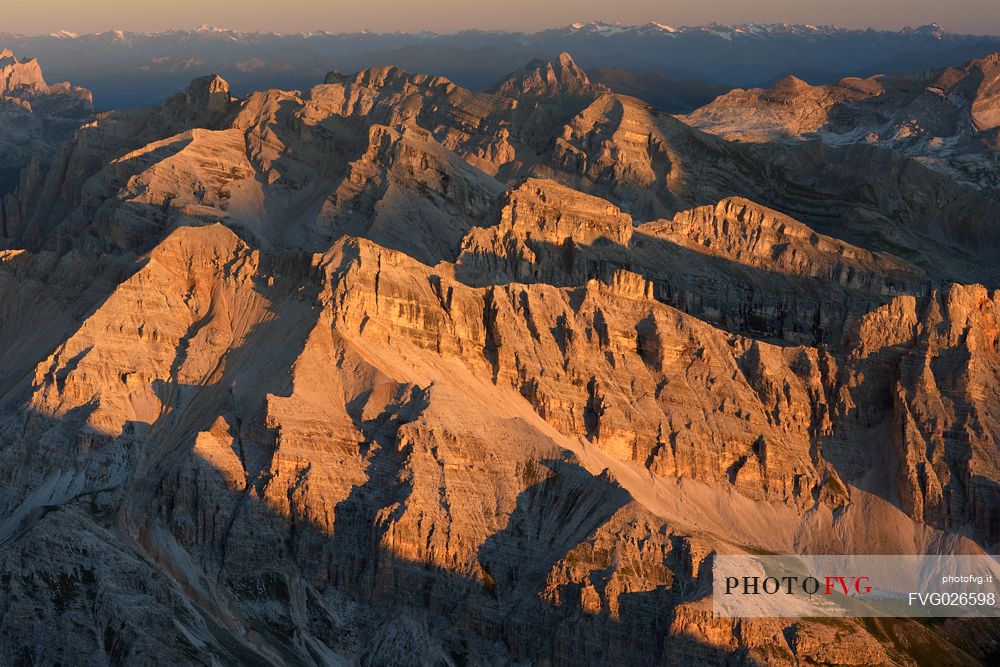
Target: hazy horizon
446, 16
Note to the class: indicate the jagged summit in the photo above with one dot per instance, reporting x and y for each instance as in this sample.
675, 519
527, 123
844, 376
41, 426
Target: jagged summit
23, 80
18, 75
35, 117
560, 77
209, 93
762, 52
207, 102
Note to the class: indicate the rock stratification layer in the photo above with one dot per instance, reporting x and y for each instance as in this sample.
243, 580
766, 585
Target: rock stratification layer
394, 372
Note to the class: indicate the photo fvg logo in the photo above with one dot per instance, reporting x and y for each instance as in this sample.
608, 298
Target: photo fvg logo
793, 585
806, 585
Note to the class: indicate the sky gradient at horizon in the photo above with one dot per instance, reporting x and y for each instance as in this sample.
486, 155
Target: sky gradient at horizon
45, 16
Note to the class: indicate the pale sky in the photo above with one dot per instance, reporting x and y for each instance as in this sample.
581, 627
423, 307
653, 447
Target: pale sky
43, 16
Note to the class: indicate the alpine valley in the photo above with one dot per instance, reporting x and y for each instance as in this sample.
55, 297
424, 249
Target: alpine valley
388, 371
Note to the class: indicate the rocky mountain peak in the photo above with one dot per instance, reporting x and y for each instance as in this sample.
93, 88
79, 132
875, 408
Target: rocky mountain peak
560, 77
15, 74
566, 61
23, 87
790, 83
335, 77
209, 93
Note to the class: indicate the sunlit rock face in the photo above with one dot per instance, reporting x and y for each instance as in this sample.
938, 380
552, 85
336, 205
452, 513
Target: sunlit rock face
561, 78
393, 372
947, 119
22, 84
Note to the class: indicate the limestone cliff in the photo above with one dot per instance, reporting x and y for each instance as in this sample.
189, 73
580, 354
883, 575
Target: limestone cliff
34, 118
393, 372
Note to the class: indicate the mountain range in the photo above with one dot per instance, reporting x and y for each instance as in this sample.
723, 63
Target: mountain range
128, 69
947, 119
391, 371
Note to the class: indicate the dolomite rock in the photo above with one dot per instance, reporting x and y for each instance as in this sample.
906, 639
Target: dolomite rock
944, 419
35, 118
701, 261
209, 94
645, 162
321, 378
946, 119
561, 78
22, 81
